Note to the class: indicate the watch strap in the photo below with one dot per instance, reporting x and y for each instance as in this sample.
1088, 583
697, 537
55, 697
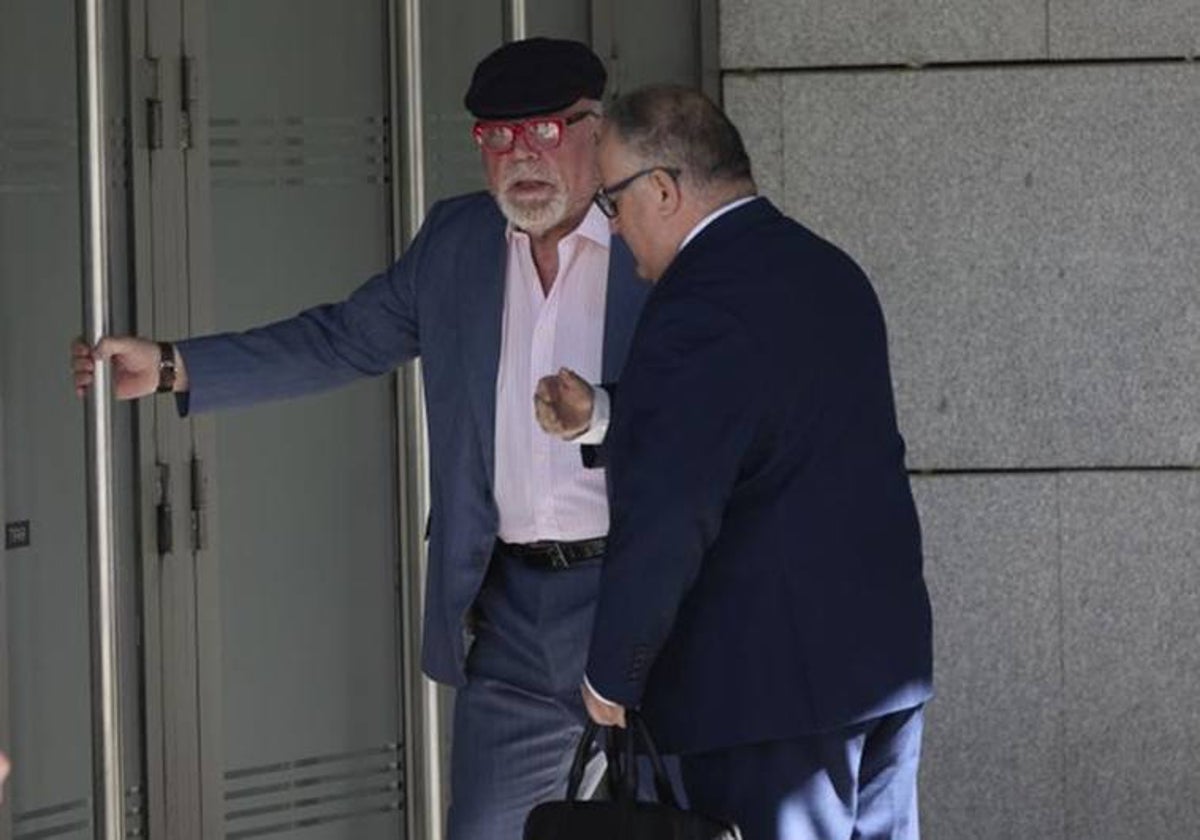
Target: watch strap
166, 367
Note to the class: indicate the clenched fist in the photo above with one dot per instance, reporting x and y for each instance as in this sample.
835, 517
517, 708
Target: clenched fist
563, 404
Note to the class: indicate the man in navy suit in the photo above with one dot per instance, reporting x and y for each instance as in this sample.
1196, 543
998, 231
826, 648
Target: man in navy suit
762, 598
494, 290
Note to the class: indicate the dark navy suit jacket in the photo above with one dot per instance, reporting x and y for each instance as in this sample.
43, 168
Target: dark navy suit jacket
442, 301
763, 578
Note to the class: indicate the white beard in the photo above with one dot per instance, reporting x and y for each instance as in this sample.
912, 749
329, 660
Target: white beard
534, 217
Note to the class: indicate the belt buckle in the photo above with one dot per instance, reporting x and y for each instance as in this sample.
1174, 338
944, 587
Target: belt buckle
559, 560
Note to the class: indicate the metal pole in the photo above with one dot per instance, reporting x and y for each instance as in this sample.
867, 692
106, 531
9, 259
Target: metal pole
108, 767
516, 16
423, 754
5, 743
604, 42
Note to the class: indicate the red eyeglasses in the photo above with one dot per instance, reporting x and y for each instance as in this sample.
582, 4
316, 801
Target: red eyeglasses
541, 133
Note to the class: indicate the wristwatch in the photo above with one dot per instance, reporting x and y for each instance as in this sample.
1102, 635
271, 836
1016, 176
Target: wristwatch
166, 367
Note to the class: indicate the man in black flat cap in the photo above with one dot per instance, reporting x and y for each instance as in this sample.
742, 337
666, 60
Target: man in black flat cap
495, 291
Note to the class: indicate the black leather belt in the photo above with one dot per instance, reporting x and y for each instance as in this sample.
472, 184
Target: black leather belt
552, 554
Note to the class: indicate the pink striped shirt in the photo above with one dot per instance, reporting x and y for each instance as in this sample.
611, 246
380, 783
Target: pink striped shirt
542, 489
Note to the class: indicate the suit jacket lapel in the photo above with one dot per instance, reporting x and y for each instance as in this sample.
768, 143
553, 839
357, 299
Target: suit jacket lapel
481, 314
625, 295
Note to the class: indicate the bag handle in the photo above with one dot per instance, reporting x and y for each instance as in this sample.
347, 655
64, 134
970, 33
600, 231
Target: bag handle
639, 731
620, 750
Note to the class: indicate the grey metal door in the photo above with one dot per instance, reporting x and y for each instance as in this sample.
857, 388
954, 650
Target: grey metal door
45, 692
290, 203
266, 189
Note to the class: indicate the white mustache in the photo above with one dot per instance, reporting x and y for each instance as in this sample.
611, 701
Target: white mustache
527, 172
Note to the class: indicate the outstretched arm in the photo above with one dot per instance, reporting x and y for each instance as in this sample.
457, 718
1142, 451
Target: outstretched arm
366, 334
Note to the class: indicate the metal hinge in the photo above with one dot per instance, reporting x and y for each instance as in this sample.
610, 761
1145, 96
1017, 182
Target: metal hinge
199, 505
162, 510
150, 85
187, 94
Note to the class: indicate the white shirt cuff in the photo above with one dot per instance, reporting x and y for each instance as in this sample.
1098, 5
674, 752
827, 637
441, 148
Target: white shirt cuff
601, 411
598, 695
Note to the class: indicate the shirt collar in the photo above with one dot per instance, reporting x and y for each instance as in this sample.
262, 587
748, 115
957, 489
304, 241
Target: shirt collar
713, 216
594, 227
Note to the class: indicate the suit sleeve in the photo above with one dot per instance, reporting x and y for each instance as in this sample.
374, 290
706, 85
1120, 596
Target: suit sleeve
687, 415
367, 334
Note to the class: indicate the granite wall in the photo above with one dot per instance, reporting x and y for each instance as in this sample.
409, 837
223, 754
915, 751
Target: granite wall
1021, 179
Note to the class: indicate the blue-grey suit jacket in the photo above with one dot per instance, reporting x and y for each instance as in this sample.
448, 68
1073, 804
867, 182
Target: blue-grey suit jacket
442, 301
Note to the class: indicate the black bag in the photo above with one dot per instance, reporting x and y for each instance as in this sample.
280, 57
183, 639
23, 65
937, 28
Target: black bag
623, 817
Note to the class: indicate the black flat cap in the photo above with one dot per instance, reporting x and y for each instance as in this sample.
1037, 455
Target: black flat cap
534, 76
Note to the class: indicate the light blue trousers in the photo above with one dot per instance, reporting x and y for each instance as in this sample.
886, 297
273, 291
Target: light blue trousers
857, 783
518, 719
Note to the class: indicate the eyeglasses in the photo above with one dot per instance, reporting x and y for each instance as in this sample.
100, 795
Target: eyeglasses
606, 197
541, 133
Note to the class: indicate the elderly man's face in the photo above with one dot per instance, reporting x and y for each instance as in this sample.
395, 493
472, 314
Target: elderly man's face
539, 189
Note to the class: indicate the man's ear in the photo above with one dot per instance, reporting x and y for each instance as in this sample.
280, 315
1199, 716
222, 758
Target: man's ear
667, 192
